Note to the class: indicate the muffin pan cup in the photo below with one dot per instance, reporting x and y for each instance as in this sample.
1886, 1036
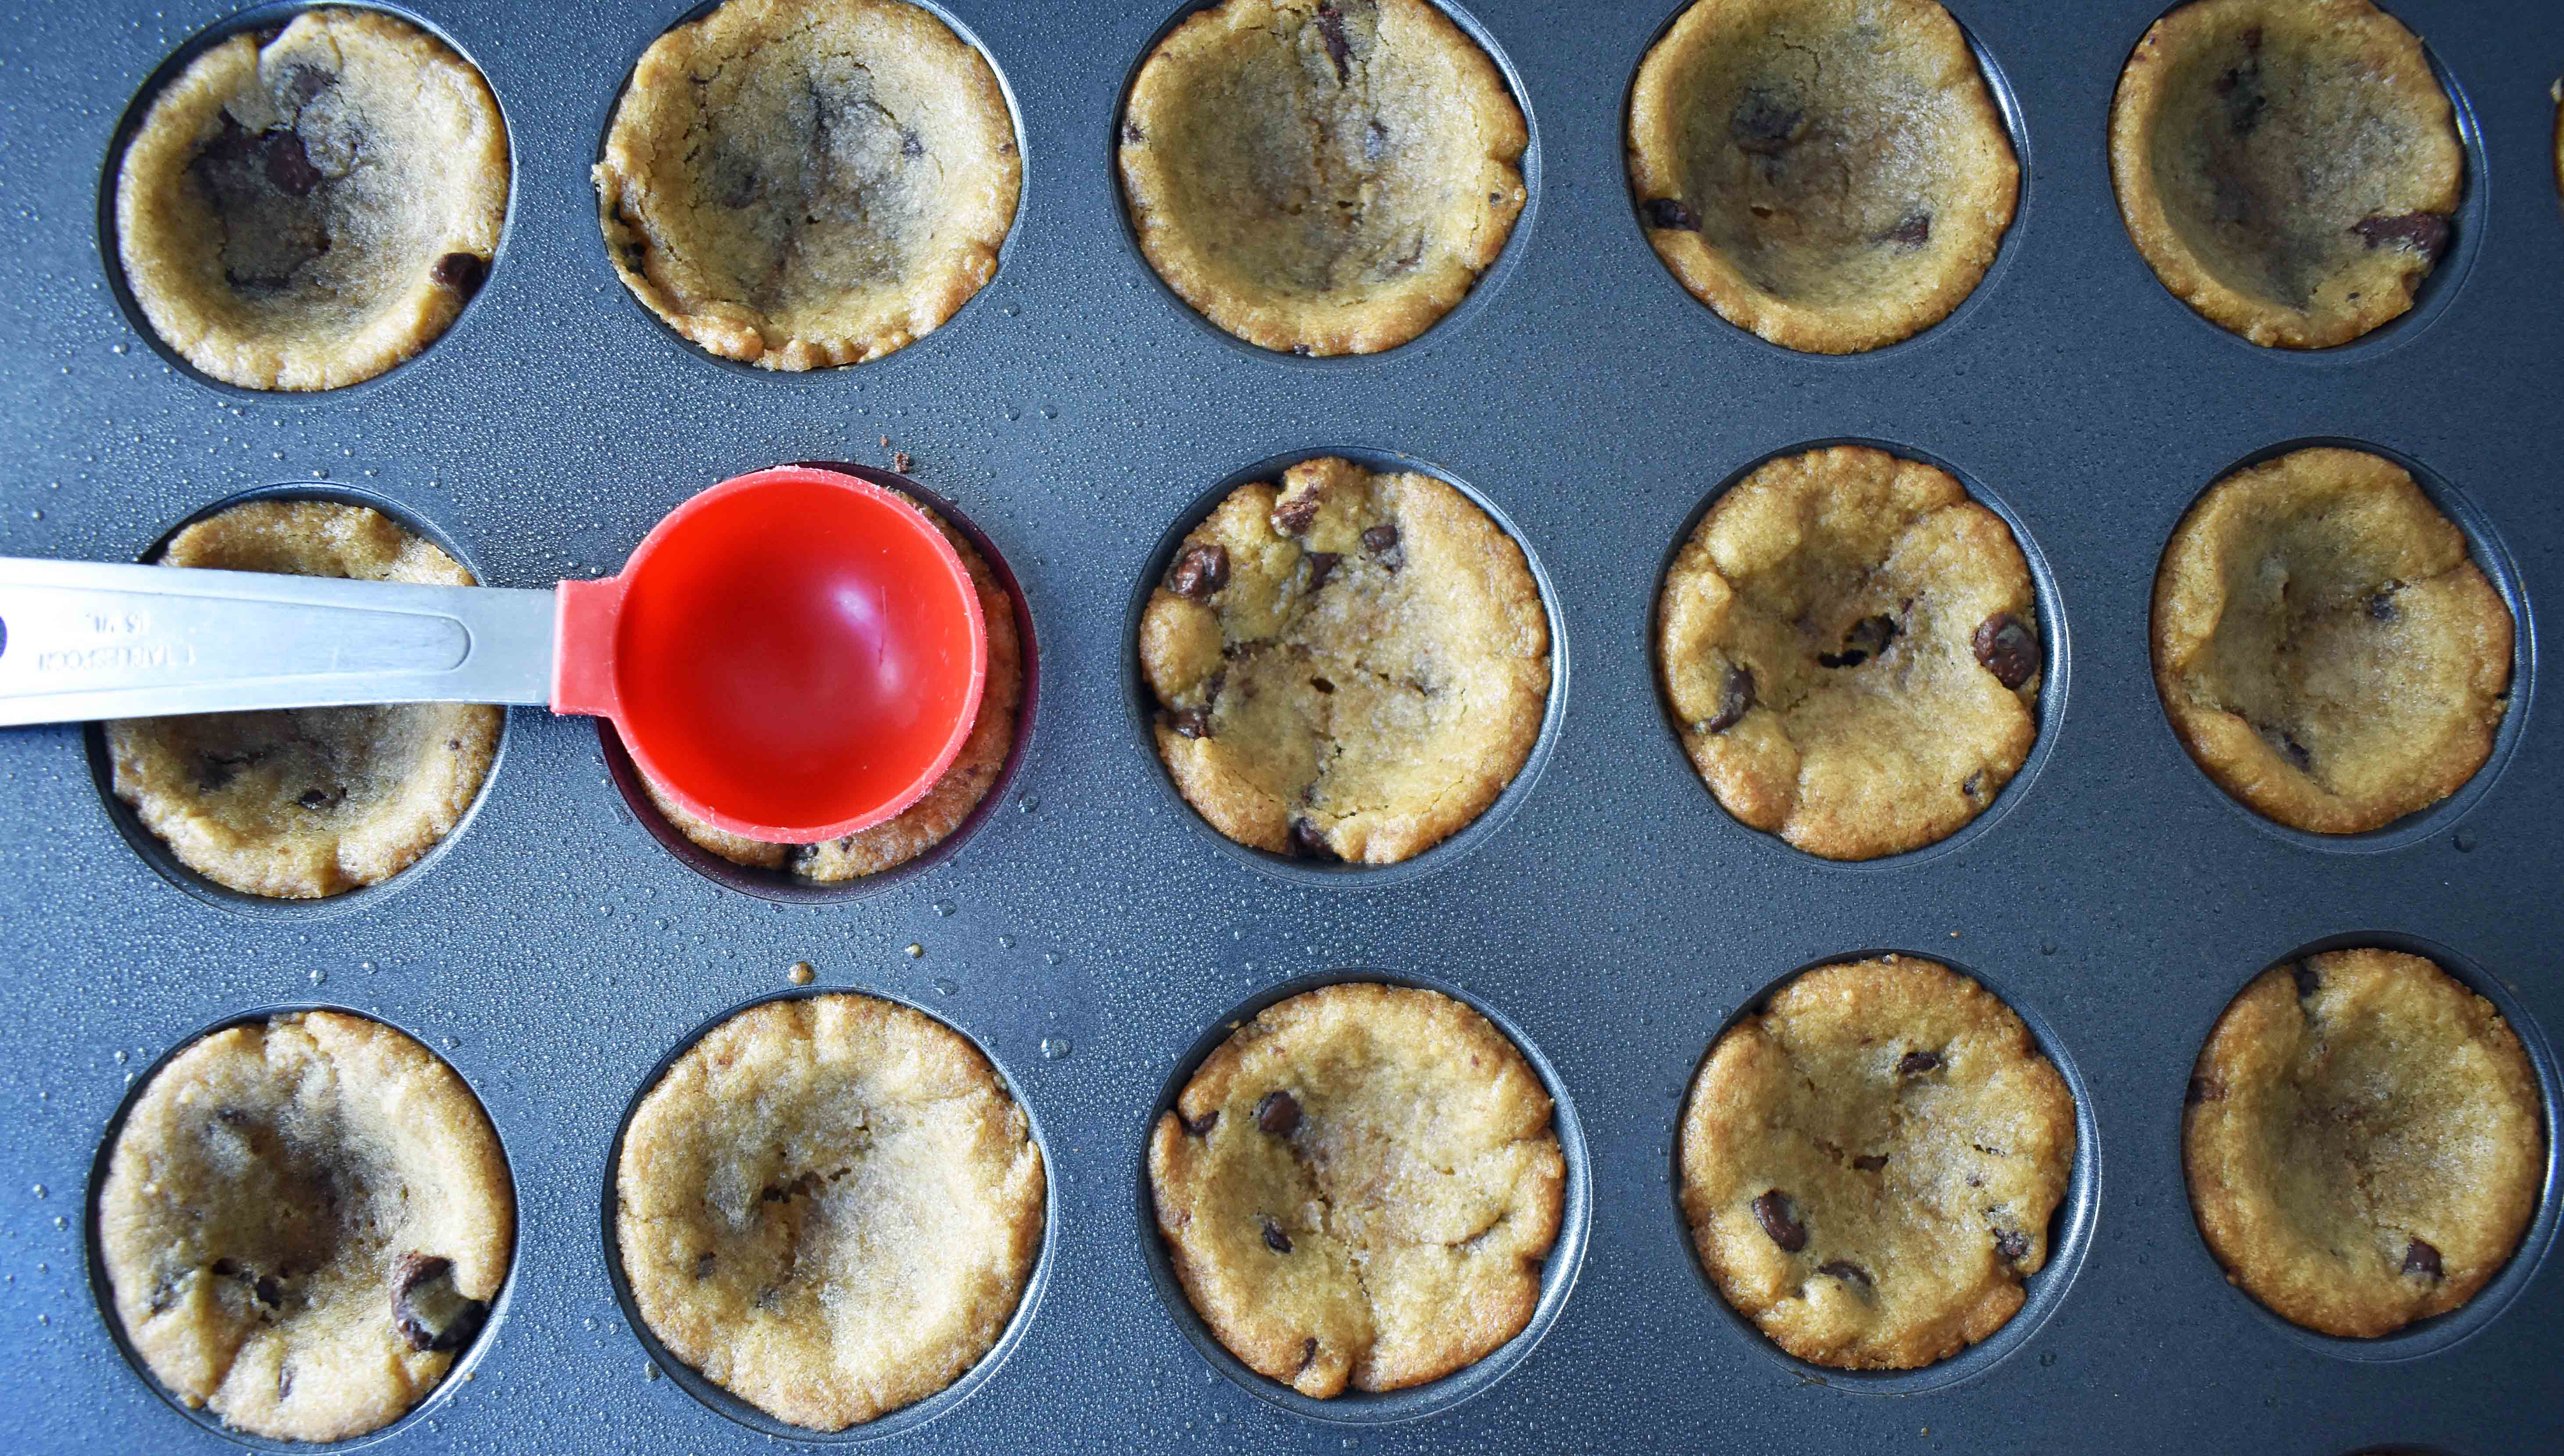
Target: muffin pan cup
1087, 936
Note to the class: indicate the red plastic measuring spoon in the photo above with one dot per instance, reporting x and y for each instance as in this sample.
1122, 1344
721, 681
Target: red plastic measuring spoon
793, 655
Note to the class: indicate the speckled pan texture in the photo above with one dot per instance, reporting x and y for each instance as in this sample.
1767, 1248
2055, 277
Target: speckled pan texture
1091, 936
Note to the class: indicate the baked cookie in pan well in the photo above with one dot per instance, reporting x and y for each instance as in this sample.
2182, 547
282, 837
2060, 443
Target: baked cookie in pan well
830, 1207
1830, 174
2363, 1142
1869, 1163
800, 183
2324, 646
305, 1221
932, 819
1323, 178
1350, 668
1358, 1189
301, 804
2288, 167
307, 210
1851, 649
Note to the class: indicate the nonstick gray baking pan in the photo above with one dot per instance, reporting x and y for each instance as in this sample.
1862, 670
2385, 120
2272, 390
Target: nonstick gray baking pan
1093, 937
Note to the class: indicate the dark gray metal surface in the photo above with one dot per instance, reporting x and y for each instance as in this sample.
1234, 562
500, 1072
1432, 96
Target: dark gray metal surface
556, 952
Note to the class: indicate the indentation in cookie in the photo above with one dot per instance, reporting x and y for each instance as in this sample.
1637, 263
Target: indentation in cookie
1833, 176
2289, 169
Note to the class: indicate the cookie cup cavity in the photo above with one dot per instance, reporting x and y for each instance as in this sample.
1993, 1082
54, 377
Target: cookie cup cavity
1559, 1269
456, 812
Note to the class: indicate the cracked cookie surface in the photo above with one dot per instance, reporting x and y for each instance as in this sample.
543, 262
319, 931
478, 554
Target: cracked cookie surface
2323, 645
798, 185
1352, 667
309, 212
1869, 1163
2363, 1142
305, 1221
1830, 174
1359, 1188
1317, 178
932, 819
1850, 648
830, 1207
302, 803
2288, 167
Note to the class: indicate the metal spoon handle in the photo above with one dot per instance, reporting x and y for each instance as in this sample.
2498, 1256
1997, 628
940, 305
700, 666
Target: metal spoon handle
84, 640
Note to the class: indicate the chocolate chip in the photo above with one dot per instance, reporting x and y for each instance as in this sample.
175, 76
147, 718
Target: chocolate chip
321, 799
1766, 126
1278, 1113
1309, 842
303, 82
1309, 1351
1322, 684
2005, 647
1295, 515
1847, 1272
1870, 1163
461, 272
290, 167
1735, 698
2381, 605
910, 144
225, 1267
1669, 212
2308, 980
1915, 1064
427, 1310
1374, 140
1275, 1239
1190, 722
1380, 539
1322, 564
1132, 135
2297, 753
1331, 30
2420, 1257
2252, 39
2425, 232
703, 1266
1975, 785
1302, 350
1913, 232
1779, 1223
1867, 638
268, 1290
1200, 571
2012, 1244
1199, 1127
2204, 1088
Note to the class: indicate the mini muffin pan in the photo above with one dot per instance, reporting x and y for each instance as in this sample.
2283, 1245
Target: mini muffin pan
1087, 933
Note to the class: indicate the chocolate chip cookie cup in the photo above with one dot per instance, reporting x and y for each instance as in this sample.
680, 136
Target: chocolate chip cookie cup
303, 197
1280, 1115
383, 792
2342, 644
2368, 1143
1859, 653
296, 1268
1796, 1150
928, 832
2297, 172
1252, 630
1833, 176
1399, 220
797, 187
867, 1110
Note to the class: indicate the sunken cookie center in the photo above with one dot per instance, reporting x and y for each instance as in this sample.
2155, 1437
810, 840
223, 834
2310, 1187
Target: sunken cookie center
1805, 194
809, 182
